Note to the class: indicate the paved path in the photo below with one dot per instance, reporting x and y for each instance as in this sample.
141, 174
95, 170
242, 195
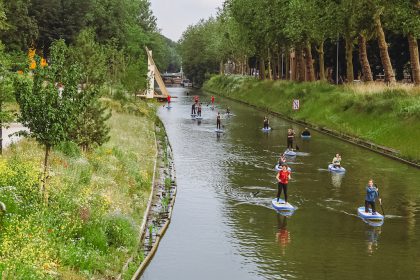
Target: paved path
14, 127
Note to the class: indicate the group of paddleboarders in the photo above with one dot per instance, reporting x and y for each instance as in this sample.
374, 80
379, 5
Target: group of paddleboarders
284, 174
196, 109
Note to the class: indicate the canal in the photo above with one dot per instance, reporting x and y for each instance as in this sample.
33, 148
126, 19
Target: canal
224, 227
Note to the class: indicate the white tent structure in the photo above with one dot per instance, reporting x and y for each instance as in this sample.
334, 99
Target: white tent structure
152, 75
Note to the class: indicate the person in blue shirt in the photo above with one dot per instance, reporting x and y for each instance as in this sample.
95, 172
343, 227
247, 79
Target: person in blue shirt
371, 196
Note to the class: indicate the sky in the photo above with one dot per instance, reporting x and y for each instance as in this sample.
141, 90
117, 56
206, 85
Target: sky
174, 16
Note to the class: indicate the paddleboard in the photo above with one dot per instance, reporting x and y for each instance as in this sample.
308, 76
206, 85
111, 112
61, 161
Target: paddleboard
305, 136
193, 115
281, 206
336, 169
198, 117
266, 129
290, 153
219, 130
277, 167
369, 216
168, 107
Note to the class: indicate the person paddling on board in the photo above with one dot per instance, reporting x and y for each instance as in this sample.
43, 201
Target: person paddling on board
306, 132
290, 138
337, 161
218, 123
372, 192
266, 123
193, 109
169, 100
228, 111
196, 99
199, 110
283, 178
212, 100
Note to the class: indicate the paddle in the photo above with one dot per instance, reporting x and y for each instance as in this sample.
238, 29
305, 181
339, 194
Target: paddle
380, 202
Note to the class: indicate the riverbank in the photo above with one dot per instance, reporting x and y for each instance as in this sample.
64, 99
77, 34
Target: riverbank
388, 117
96, 203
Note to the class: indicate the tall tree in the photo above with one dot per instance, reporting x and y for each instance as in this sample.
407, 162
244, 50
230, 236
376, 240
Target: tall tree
48, 112
403, 16
383, 46
22, 29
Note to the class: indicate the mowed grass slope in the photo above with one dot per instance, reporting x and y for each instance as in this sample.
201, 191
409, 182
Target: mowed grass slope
388, 116
96, 201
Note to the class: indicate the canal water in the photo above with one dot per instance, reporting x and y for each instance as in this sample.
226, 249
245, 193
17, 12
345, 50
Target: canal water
224, 227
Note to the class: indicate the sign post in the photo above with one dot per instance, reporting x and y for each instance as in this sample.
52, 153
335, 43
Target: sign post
296, 104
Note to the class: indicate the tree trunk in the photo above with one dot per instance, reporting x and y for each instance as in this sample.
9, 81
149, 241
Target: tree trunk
221, 68
310, 73
364, 62
300, 65
383, 49
349, 59
45, 175
414, 59
270, 74
320, 51
262, 69
287, 65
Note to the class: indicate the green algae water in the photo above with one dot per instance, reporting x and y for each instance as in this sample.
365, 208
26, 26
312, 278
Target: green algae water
223, 224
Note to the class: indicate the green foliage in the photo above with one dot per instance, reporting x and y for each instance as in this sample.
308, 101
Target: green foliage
90, 124
48, 113
69, 149
121, 232
22, 28
95, 207
87, 53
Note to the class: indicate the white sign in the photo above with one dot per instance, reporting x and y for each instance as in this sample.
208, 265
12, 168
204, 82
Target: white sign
296, 104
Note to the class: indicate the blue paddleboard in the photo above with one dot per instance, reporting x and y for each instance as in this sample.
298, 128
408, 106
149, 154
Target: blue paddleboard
369, 216
336, 169
290, 153
281, 206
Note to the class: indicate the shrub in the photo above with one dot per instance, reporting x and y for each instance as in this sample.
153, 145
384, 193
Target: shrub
121, 232
69, 149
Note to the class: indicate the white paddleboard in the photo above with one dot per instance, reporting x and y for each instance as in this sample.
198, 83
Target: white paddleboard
281, 206
369, 216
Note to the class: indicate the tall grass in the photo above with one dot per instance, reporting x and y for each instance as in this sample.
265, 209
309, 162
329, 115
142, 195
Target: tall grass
388, 116
96, 202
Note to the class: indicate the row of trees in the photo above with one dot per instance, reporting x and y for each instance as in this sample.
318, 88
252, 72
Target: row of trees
89, 45
263, 34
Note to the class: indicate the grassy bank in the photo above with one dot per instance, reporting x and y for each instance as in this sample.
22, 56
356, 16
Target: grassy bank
95, 206
386, 116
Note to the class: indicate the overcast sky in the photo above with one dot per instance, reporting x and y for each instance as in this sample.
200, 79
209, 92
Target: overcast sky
174, 16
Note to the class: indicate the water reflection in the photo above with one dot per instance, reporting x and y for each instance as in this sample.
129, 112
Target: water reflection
372, 235
283, 235
336, 179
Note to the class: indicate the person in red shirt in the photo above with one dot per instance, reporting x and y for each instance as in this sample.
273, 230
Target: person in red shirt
212, 100
283, 178
196, 99
169, 100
